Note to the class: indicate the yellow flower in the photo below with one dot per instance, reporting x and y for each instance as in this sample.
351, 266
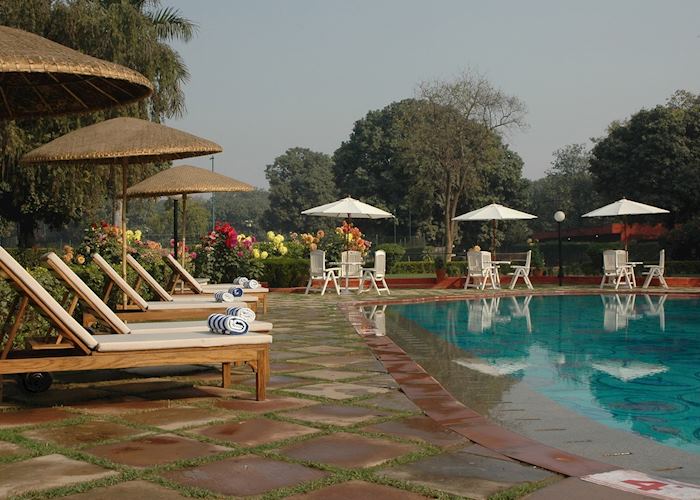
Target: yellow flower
256, 253
270, 235
80, 260
283, 250
263, 255
240, 237
278, 239
350, 237
137, 234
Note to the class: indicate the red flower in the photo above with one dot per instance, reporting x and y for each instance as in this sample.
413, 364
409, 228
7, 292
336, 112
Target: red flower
231, 237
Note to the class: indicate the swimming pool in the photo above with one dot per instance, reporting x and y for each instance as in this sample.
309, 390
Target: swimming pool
628, 362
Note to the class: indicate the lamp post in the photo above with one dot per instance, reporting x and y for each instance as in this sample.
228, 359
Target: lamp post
213, 219
559, 217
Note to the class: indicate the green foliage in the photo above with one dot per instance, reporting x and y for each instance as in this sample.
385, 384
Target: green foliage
683, 243
285, 272
223, 256
536, 259
245, 210
132, 33
299, 179
683, 268
439, 263
414, 267
394, 253
653, 157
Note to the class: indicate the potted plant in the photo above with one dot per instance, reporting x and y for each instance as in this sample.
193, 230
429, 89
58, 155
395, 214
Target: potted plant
440, 268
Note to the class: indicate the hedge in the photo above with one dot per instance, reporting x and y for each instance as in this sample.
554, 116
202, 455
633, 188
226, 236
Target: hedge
285, 272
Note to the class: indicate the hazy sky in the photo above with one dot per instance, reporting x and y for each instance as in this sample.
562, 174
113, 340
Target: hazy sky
270, 75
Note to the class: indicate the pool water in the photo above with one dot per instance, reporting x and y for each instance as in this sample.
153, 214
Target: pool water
629, 362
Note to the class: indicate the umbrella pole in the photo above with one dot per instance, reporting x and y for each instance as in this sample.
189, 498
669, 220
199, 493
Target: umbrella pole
184, 227
624, 230
347, 256
493, 240
125, 172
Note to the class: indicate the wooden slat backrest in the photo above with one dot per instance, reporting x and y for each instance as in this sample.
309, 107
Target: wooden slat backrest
148, 279
121, 283
186, 277
42, 300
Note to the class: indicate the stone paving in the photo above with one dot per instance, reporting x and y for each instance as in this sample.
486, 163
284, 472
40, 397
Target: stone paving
335, 425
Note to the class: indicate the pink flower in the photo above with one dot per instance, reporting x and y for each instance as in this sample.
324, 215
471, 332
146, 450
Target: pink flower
193, 255
240, 254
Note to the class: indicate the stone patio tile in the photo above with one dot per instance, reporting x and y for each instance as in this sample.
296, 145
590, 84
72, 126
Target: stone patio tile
255, 431
77, 435
154, 450
48, 471
280, 355
144, 386
347, 450
370, 365
383, 380
358, 489
321, 349
283, 366
32, 417
272, 403
9, 449
337, 414
279, 381
393, 400
465, 474
198, 392
419, 427
576, 489
333, 375
60, 396
120, 406
339, 390
245, 476
176, 417
334, 361
132, 489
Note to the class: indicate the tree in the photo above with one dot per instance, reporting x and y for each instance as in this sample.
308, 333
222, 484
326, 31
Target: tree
567, 186
245, 211
459, 133
130, 32
299, 179
654, 157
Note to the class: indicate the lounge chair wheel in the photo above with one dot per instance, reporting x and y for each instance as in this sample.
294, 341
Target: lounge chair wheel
36, 381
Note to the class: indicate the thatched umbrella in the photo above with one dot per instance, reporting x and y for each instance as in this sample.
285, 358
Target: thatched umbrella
121, 140
184, 180
39, 77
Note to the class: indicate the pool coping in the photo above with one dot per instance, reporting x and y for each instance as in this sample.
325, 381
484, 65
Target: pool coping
446, 410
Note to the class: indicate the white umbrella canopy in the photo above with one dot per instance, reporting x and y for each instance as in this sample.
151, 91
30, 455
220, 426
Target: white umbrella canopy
496, 368
494, 212
350, 208
624, 207
629, 370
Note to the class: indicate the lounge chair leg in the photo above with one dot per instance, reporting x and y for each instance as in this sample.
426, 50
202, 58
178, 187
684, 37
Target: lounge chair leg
226, 375
308, 286
262, 375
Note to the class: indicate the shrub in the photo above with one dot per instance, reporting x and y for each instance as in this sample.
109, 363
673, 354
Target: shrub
414, 267
394, 253
285, 272
224, 255
684, 242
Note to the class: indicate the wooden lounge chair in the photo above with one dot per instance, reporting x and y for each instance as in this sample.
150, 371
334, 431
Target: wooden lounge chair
138, 310
101, 311
181, 275
73, 348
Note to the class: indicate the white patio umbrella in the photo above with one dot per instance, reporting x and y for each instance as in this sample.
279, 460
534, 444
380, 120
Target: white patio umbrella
628, 370
494, 212
348, 208
623, 208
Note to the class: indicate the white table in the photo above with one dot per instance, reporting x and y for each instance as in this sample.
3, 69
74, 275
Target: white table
495, 264
346, 266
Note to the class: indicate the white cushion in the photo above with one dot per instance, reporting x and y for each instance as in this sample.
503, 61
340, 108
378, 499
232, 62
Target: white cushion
74, 282
119, 281
176, 306
44, 299
184, 275
188, 326
177, 340
198, 299
215, 287
146, 276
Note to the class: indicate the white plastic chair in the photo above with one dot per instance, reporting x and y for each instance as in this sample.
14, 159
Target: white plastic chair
522, 272
618, 311
656, 271
522, 311
479, 270
319, 271
375, 274
616, 269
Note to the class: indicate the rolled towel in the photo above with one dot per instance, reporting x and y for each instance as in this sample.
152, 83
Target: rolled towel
222, 296
227, 325
253, 284
241, 312
236, 291
243, 281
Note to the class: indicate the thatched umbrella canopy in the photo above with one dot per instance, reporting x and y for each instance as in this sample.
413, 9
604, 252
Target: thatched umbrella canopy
121, 140
39, 77
184, 180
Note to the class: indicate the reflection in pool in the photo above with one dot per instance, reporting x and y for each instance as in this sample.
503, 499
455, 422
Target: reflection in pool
627, 361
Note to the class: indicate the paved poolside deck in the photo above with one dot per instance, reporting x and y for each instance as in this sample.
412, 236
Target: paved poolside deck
336, 425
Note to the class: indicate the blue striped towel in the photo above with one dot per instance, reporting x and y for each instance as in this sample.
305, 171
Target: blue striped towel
236, 291
253, 284
227, 325
241, 312
222, 296
243, 281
